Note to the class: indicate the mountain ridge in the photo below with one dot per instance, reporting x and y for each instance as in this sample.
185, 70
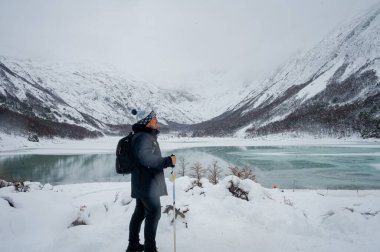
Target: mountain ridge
98, 100
332, 89
344, 64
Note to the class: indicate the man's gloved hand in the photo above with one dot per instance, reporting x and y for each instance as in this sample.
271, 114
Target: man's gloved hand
174, 159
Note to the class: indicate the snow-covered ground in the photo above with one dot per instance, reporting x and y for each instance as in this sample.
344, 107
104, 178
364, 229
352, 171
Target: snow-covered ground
13, 145
272, 220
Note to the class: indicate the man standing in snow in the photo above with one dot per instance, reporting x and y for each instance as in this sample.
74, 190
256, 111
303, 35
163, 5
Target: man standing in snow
148, 183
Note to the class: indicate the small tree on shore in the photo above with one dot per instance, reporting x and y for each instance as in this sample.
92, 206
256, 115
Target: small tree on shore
198, 172
214, 172
242, 173
183, 166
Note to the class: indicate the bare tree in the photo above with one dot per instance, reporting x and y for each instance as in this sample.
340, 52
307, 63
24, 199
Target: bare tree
183, 166
214, 172
243, 173
198, 172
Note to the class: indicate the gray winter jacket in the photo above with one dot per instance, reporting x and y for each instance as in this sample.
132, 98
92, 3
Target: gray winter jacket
148, 178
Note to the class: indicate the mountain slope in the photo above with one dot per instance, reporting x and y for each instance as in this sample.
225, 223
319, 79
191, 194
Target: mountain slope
333, 89
97, 100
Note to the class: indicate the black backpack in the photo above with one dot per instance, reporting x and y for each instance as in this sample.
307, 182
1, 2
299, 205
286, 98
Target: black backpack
125, 162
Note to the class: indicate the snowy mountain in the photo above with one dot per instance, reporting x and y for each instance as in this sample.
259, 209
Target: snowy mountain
75, 100
332, 89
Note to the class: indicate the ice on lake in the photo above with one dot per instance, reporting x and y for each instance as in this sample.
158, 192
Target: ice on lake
312, 167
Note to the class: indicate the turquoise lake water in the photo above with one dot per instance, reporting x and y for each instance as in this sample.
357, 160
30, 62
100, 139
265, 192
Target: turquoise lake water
311, 167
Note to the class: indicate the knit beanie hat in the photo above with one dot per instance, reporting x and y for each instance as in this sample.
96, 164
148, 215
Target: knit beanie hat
144, 121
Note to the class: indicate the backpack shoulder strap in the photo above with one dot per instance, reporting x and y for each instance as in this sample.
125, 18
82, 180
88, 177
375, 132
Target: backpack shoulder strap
133, 139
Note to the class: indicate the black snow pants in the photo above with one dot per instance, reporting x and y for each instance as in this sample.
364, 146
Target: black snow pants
150, 210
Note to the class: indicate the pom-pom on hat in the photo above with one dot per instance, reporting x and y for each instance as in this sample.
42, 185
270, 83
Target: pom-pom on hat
145, 120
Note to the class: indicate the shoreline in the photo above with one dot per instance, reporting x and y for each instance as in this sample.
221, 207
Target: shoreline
17, 145
106, 145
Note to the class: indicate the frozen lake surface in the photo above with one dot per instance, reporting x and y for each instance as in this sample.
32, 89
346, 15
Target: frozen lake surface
311, 167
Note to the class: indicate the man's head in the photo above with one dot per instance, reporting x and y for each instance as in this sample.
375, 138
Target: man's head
153, 124
150, 121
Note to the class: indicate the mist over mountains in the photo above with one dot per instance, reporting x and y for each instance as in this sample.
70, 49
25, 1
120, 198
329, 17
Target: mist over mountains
333, 89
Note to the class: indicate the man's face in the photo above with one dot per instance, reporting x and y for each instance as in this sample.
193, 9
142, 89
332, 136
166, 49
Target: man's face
153, 124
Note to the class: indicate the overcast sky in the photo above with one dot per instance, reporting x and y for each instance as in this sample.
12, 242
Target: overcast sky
173, 43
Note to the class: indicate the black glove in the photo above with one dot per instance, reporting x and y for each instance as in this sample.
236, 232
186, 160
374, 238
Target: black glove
173, 159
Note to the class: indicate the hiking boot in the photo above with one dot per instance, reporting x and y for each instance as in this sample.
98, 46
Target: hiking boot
135, 247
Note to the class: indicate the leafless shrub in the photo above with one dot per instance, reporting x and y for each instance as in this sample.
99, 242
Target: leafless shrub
243, 173
198, 172
214, 172
183, 166
192, 185
178, 212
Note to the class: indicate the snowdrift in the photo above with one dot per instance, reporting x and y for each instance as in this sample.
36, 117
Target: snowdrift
95, 217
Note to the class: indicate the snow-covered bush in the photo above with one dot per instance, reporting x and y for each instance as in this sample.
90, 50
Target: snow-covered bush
18, 185
33, 138
83, 217
233, 187
4, 183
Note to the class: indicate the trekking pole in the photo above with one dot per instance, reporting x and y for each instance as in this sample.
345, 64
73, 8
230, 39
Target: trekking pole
174, 210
